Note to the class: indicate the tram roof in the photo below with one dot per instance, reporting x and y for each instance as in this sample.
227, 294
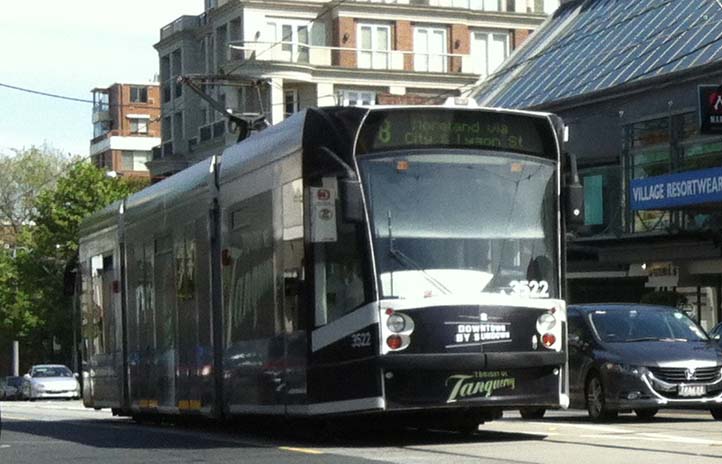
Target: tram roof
264, 147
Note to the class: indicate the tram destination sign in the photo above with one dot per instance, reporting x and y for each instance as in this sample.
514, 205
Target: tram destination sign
406, 128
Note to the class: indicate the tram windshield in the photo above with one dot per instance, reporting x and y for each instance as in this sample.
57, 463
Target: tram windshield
463, 223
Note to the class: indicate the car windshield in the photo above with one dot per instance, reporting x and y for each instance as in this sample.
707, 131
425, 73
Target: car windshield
638, 325
463, 222
60, 371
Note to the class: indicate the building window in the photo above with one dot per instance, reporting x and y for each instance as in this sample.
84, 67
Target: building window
139, 94
102, 128
165, 128
430, 49
178, 125
135, 160
488, 50
356, 98
294, 40
374, 43
650, 155
290, 102
138, 125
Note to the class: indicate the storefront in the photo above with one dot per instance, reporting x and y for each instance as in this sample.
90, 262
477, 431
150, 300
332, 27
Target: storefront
653, 218
643, 103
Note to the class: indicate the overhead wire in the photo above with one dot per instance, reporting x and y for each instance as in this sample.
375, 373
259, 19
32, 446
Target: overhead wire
75, 99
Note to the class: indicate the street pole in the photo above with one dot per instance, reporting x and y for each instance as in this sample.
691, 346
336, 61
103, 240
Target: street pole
16, 358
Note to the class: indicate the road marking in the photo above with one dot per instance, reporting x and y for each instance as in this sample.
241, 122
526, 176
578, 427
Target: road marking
656, 437
4, 446
300, 450
596, 428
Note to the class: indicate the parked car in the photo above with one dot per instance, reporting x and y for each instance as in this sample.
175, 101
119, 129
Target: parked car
50, 381
11, 388
625, 357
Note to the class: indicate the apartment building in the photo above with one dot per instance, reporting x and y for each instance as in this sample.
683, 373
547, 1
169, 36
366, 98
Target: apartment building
275, 57
126, 127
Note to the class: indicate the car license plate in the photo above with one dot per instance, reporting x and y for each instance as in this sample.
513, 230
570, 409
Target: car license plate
692, 390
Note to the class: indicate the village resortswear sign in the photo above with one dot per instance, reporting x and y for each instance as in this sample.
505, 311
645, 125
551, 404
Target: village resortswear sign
674, 190
710, 109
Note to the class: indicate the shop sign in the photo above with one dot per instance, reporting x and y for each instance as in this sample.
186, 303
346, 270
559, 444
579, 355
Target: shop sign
710, 109
675, 190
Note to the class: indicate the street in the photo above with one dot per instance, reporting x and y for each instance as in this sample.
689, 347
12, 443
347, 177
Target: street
45, 432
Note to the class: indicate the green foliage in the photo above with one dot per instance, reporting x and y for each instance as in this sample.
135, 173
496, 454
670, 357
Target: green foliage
35, 306
23, 175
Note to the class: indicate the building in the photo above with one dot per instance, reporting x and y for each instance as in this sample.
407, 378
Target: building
638, 84
274, 57
126, 127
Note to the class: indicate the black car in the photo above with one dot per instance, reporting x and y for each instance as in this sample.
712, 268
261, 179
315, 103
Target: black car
716, 332
625, 357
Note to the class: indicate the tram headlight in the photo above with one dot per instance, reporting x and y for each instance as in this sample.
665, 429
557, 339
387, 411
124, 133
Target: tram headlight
396, 323
546, 322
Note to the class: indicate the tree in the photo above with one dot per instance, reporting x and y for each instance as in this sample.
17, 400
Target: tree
50, 254
23, 175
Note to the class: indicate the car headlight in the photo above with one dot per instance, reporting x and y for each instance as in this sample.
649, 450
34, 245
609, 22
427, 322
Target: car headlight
626, 369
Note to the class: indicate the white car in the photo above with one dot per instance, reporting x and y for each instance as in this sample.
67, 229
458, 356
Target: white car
50, 381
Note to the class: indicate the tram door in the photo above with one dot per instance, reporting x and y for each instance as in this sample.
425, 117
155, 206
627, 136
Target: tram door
188, 393
254, 338
345, 336
294, 317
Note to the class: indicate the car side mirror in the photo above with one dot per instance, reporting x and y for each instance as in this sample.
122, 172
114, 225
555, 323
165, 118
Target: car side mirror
716, 337
27, 377
76, 375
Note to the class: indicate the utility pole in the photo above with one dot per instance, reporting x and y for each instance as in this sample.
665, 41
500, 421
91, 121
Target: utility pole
16, 358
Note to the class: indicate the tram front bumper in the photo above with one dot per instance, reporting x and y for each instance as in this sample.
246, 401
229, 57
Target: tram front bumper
471, 380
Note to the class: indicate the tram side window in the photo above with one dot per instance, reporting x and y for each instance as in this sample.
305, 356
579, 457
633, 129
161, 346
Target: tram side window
164, 291
249, 271
339, 272
101, 311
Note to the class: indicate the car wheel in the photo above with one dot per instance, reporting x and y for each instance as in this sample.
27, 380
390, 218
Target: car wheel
716, 413
646, 413
532, 413
596, 400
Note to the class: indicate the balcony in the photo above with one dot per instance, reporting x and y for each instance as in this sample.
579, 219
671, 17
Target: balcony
316, 55
181, 24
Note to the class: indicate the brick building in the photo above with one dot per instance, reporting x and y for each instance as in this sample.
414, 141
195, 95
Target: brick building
126, 127
275, 57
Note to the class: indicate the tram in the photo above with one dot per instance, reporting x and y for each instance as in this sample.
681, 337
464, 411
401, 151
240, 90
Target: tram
402, 261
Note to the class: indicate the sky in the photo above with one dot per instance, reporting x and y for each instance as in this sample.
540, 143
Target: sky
69, 47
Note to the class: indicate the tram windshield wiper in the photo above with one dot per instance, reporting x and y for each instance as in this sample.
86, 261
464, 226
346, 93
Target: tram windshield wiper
409, 262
